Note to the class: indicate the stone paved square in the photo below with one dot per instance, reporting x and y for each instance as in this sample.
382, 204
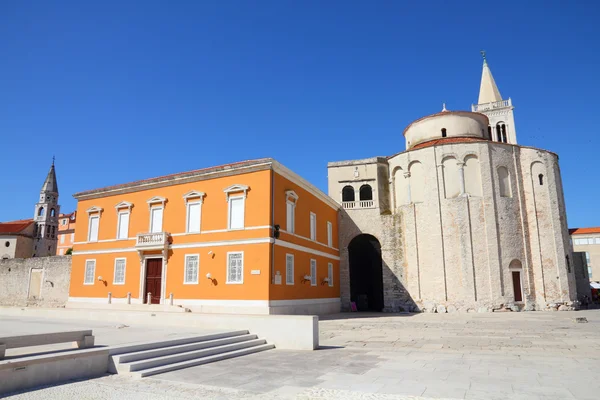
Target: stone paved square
535, 355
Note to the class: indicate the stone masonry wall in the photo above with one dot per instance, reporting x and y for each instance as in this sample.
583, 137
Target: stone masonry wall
55, 273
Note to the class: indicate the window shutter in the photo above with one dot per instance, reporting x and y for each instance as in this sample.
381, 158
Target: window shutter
123, 225
313, 227
236, 268
194, 217
93, 229
313, 272
290, 217
89, 271
191, 269
330, 273
157, 216
289, 269
119, 271
236, 216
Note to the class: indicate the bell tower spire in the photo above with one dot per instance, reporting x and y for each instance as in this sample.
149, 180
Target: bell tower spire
499, 111
46, 217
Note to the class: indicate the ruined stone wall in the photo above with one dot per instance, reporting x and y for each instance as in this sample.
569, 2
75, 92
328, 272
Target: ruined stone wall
51, 274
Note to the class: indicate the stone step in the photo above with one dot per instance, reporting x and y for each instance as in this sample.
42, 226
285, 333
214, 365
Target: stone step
202, 360
186, 356
180, 348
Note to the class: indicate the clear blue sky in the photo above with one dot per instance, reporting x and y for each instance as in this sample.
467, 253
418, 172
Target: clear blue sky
125, 90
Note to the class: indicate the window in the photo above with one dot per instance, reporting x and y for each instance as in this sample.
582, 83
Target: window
289, 269
191, 269
123, 225
504, 182
313, 272
64, 222
235, 267
62, 239
443, 132
598, 240
236, 212
329, 234
590, 240
119, 278
90, 271
93, 229
313, 226
348, 193
52, 212
489, 132
72, 237
291, 217
41, 212
193, 217
330, 274
156, 219
541, 178
61, 252
366, 193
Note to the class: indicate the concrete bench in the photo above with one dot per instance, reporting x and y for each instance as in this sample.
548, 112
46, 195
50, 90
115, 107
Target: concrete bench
80, 339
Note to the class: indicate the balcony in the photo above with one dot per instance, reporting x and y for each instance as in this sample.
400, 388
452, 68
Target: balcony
491, 106
156, 240
355, 205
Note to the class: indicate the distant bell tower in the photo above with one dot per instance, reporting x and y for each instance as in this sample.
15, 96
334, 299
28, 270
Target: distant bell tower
500, 112
46, 217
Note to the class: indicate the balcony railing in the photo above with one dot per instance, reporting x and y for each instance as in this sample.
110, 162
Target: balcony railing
491, 106
353, 205
156, 239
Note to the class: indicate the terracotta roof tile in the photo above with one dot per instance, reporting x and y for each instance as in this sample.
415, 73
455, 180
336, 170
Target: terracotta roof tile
15, 226
581, 231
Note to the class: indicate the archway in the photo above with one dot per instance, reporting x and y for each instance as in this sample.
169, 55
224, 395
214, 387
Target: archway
366, 273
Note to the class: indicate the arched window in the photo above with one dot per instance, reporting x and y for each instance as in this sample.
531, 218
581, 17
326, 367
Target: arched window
41, 212
489, 132
52, 212
472, 176
504, 182
541, 178
443, 132
498, 133
365, 193
348, 193
503, 128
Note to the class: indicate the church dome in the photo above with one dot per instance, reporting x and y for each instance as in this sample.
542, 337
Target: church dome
447, 124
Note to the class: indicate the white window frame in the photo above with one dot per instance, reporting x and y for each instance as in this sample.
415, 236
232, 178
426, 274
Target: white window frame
330, 274
115, 271
185, 268
229, 212
72, 237
227, 281
97, 216
187, 216
162, 222
119, 213
62, 239
329, 234
290, 218
289, 278
313, 272
313, 226
85, 266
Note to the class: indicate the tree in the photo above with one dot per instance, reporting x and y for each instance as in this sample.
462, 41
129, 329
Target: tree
69, 251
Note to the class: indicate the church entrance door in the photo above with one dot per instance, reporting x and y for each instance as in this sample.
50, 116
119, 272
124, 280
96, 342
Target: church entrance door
153, 280
366, 273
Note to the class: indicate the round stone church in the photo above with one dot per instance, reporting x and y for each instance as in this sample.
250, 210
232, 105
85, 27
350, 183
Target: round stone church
464, 220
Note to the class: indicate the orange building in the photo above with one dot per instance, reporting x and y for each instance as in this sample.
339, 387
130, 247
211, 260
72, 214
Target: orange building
66, 232
248, 237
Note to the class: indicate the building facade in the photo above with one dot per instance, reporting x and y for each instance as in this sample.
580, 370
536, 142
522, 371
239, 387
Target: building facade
66, 232
463, 220
587, 241
249, 237
35, 237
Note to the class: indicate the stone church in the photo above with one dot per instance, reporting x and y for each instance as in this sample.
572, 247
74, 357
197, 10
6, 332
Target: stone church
35, 237
464, 219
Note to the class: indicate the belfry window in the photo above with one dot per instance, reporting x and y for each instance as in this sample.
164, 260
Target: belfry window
348, 193
541, 178
41, 212
52, 212
503, 128
489, 132
444, 132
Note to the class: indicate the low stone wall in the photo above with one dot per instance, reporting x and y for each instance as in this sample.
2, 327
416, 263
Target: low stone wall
38, 281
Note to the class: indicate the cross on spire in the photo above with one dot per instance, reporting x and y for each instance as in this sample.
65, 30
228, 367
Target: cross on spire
483, 55
53, 160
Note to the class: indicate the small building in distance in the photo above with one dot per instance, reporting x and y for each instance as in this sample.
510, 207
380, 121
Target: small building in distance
250, 237
587, 240
16, 239
66, 232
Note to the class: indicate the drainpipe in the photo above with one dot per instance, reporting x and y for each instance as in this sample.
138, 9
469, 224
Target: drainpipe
272, 224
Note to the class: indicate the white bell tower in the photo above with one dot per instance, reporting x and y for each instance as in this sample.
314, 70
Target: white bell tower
500, 112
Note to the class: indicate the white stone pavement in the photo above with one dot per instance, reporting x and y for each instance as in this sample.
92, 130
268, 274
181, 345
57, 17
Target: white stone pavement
537, 355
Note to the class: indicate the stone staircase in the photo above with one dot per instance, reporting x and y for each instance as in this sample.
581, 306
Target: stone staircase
151, 358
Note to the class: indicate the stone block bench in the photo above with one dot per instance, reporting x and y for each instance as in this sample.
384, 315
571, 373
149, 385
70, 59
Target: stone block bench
80, 339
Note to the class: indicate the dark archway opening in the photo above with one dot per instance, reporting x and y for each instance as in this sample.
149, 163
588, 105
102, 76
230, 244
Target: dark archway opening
348, 193
366, 273
365, 192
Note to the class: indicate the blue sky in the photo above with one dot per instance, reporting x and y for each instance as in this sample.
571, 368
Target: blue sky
121, 91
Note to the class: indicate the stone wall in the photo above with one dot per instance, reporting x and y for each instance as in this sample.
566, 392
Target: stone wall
38, 281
